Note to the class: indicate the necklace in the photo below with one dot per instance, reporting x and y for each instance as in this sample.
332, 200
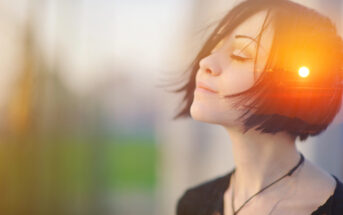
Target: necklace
289, 173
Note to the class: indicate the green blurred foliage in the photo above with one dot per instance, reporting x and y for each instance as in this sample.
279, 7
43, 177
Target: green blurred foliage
132, 163
72, 175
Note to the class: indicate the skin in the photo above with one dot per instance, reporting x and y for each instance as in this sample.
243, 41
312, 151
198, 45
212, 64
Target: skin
259, 158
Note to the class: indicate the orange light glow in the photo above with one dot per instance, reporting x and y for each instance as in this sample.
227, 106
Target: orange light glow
304, 71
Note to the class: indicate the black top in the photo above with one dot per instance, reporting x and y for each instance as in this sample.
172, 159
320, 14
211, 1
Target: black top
207, 199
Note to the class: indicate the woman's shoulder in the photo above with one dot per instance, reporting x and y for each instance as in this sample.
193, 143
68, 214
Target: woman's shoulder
204, 196
321, 188
338, 197
334, 204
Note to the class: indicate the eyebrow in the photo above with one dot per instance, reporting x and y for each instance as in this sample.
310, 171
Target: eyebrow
237, 36
245, 37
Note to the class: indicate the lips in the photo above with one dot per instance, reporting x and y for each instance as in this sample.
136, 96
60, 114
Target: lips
204, 86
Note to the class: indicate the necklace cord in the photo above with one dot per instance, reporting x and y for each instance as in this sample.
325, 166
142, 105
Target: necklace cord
289, 173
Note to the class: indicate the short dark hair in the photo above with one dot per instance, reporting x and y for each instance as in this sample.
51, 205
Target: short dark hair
281, 101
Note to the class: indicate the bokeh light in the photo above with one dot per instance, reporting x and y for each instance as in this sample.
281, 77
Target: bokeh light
304, 71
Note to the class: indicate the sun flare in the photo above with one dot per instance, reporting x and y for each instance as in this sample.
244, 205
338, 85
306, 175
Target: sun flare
304, 72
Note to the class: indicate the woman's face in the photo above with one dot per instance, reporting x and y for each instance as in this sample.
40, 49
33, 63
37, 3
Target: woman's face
229, 69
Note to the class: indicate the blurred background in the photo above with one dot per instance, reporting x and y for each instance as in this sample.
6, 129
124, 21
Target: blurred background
86, 126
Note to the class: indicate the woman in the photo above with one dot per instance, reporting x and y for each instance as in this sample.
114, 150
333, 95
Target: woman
270, 72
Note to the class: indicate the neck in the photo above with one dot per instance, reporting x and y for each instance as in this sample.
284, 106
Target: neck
260, 159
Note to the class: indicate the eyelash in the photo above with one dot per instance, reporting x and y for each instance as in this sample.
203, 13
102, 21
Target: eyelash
239, 58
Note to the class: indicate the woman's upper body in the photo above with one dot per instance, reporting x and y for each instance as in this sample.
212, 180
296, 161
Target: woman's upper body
209, 198
248, 78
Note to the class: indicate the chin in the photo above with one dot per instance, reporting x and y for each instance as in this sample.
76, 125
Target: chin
204, 113
200, 113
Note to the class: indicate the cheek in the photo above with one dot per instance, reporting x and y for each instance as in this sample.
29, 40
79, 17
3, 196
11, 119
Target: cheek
237, 78
212, 108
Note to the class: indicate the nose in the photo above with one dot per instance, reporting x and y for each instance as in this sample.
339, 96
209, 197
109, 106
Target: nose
210, 65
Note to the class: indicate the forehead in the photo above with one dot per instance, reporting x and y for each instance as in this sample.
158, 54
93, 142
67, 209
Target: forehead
253, 26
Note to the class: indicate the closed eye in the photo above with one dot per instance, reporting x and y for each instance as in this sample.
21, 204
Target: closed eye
240, 58
239, 55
